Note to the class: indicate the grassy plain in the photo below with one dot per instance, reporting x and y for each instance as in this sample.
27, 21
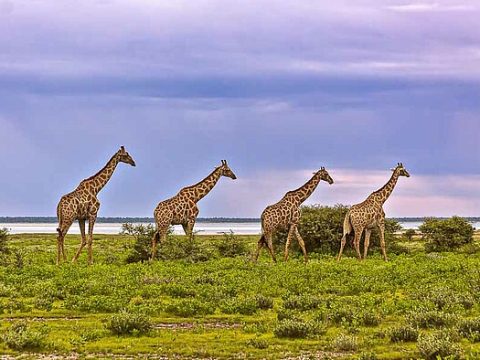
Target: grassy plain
232, 308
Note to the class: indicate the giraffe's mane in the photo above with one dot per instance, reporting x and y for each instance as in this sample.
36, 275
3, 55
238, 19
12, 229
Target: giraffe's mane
101, 170
385, 185
201, 181
299, 188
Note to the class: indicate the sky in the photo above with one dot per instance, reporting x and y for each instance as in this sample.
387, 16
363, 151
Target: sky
278, 88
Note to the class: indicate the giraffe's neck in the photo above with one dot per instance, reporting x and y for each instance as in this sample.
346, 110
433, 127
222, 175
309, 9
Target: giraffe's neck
202, 188
302, 193
100, 179
382, 194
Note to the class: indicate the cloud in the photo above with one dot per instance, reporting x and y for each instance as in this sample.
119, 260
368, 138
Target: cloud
429, 7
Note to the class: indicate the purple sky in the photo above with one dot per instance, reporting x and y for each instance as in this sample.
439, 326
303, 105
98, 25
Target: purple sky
277, 88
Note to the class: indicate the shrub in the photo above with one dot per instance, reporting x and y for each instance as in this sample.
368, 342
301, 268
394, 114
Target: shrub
244, 306
404, 333
21, 337
43, 303
126, 323
190, 307
258, 343
182, 248
431, 319
438, 345
446, 234
470, 329
302, 302
143, 234
410, 233
264, 302
298, 329
368, 356
4, 249
345, 343
231, 246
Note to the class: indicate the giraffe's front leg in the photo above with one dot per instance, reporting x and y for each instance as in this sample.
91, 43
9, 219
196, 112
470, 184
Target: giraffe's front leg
302, 243
91, 223
62, 231
381, 227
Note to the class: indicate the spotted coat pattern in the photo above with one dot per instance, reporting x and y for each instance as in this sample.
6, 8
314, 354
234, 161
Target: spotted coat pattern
369, 214
182, 208
82, 204
285, 215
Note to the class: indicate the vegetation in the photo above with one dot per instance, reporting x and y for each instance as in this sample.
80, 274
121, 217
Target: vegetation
446, 234
199, 303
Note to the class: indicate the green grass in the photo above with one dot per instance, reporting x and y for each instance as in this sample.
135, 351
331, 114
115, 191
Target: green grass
211, 309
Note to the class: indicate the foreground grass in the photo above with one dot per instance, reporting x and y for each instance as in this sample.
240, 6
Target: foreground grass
213, 309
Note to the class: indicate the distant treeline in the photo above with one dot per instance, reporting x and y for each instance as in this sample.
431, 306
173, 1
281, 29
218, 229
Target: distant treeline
121, 220
116, 220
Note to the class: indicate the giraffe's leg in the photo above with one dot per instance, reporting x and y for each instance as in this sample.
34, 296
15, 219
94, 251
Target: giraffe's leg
291, 231
189, 226
342, 245
155, 238
270, 246
91, 224
302, 243
381, 227
366, 244
261, 243
62, 231
81, 223
358, 236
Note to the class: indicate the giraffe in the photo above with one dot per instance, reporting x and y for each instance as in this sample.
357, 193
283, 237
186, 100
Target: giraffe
285, 214
82, 204
182, 208
369, 214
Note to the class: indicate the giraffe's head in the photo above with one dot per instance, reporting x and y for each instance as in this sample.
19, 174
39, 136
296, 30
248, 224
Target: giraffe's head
400, 170
124, 156
226, 171
324, 175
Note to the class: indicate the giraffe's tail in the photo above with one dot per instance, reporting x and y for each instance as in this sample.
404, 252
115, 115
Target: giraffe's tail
347, 225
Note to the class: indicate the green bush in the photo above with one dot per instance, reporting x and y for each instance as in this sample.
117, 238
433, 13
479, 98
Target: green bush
302, 302
404, 333
244, 306
345, 342
368, 356
264, 302
182, 248
4, 249
21, 337
431, 319
470, 329
126, 323
298, 329
321, 227
446, 234
190, 307
410, 233
142, 247
438, 346
43, 303
258, 343
231, 246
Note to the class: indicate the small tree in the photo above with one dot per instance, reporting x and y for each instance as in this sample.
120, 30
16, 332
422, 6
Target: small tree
446, 234
321, 227
410, 233
143, 239
4, 250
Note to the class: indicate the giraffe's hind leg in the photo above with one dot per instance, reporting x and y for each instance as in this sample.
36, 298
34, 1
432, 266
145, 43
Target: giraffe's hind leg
62, 231
291, 231
366, 244
269, 239
261, 243
358, 236
81, 224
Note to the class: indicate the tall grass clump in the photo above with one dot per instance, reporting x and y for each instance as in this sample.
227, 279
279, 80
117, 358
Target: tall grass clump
126, 323
20, 336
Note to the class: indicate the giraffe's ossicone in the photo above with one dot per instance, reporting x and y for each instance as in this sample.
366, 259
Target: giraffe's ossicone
82, 204
369, 214
182, 208
285, 214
